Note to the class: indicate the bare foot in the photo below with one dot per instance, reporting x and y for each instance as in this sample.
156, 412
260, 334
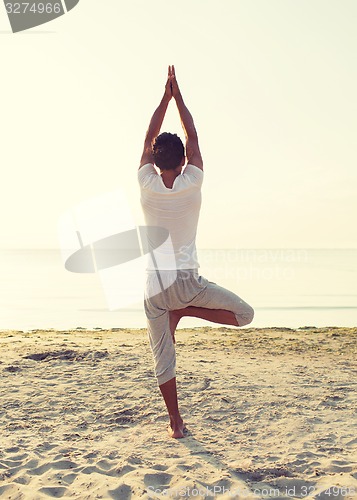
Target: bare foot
176, 429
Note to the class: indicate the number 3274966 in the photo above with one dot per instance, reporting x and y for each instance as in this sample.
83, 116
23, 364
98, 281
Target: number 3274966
34, 8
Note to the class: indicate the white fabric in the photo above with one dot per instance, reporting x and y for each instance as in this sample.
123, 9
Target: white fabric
189, 289
176, 210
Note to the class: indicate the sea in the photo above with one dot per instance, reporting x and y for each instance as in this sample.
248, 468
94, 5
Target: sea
286, 287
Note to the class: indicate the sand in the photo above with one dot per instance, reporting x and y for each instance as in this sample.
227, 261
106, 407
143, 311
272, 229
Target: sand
270, 413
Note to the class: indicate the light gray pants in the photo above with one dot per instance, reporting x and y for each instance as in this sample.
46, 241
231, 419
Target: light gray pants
169, 290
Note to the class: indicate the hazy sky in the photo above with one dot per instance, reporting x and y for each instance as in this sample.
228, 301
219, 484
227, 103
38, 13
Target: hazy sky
272, 88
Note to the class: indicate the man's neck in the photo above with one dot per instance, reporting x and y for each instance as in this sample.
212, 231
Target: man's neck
168, 176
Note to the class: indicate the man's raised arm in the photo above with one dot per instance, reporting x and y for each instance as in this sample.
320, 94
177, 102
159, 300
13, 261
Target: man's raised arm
192, 148
155, 123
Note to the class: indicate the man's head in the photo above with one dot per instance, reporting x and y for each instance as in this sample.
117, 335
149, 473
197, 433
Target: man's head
168, 151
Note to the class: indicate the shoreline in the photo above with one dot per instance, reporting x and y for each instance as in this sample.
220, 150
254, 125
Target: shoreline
306, 328
271, 412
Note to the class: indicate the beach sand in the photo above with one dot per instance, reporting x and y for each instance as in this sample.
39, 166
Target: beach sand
270, 412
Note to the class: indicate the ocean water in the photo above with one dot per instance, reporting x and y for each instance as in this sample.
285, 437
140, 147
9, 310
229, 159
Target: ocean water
286, 287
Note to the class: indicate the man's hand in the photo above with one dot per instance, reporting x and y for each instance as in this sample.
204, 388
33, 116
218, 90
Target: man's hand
168, 86
174, 85
171, 87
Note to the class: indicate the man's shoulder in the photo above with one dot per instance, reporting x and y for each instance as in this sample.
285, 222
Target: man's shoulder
146, 167
193, 173
190, 165
145, 172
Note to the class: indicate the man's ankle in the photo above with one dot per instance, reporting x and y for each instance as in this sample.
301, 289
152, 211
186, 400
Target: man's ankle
176, 419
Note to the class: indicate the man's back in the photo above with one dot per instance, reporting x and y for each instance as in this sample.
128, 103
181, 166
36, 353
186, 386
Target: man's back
177, 210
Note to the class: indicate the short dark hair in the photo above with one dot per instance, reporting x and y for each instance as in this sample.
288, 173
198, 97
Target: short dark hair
168, 151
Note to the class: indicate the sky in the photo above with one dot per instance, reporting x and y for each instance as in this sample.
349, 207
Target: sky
271, 85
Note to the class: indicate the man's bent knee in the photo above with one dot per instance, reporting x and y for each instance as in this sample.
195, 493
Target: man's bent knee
246, 317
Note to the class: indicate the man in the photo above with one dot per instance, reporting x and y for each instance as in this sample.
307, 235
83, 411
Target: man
172, 200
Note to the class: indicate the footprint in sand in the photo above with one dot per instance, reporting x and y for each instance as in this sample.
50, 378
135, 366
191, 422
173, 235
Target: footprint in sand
201, 386
54, 491
123, 492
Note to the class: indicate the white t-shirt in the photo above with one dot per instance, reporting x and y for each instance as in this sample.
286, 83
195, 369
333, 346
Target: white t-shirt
176, 210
